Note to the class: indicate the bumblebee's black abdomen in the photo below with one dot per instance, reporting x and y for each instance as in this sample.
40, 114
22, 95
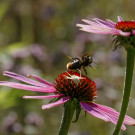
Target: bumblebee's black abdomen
76, 64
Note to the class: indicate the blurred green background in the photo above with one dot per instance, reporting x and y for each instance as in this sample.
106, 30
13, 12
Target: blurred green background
36, 36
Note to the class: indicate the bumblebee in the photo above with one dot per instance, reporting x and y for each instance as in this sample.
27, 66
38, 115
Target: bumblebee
78, 63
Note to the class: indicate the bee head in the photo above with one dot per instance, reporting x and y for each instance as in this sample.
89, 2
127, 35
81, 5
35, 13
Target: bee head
90, 58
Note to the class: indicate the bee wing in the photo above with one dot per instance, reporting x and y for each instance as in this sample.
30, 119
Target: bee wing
88, 54
76, 58
70, 57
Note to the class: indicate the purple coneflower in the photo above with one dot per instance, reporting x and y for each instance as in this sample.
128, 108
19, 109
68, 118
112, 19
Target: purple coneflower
68, 86
124, 28
124, 31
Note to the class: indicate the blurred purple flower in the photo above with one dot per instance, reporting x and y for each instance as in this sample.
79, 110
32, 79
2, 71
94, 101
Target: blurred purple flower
34, 119
10, 124
68, 86
36, 50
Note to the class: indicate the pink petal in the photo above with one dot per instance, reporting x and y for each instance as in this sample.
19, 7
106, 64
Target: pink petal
24, 79
101, 30
127, 120
106, 113
134, 32
111, 22
98, 23
102, 27
126, 34
103, 22
112, 114
88, 22
119, 19
94, 27
59, 102
93, 111
94, 24
48, 89
40, 80
43, 97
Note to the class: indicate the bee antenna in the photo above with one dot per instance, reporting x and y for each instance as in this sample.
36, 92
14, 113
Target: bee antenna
92, 55
94, 62
94, 68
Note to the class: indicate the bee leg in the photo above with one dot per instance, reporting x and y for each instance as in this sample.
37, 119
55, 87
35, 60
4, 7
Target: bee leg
85, 70
79, 71
92, 67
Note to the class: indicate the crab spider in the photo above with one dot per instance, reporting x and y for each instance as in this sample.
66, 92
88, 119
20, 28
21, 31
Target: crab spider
75, 78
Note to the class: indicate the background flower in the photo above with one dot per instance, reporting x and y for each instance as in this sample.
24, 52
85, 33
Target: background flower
123, 31
108, 27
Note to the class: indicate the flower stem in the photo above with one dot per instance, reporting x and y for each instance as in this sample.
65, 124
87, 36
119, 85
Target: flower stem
127, 88
67, 117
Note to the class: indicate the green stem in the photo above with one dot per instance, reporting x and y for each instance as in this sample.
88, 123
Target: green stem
67, 117
127, 88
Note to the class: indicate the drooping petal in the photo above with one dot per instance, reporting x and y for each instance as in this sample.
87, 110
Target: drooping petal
126, 34
119, 19
48, 89
134, 32
24, 79
93, 111
40, 80
127, 120
59, 102
106, 113
112, 114
43, 97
